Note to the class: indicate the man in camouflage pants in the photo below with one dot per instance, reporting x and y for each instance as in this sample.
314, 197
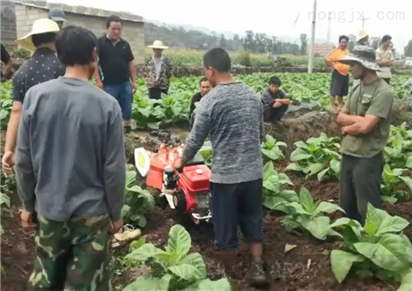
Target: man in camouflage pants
70, 171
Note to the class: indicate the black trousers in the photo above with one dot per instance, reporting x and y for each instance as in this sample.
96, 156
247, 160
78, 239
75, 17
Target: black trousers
275, 114
339, 85
387, 80
234, 205
156, 93
360, 184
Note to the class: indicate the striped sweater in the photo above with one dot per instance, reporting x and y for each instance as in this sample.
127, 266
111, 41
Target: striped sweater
232, 116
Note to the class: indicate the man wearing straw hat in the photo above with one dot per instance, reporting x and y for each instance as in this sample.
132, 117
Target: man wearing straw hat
365, 123
363, 38
160, 71
41, 67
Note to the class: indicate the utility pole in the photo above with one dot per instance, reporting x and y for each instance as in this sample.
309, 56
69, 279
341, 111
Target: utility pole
363, 21
328, 36
312, 41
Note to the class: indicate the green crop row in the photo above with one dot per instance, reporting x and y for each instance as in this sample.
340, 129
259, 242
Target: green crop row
174, 108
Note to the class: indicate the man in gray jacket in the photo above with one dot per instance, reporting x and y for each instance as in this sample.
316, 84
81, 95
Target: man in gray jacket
70, 171
232, 115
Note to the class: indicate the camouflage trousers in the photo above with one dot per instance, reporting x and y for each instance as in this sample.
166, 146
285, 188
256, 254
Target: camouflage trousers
72, 255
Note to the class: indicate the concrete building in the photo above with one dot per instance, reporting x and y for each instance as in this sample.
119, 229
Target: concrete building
8, 24
26, 12
321, 49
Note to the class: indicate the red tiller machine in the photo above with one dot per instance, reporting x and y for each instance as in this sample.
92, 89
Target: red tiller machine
187, 192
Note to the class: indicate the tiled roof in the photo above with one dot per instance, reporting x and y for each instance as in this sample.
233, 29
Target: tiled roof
82, 10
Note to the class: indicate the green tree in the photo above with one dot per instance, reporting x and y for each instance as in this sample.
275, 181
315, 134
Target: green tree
352, 42
408, 49
304, 43
249, 41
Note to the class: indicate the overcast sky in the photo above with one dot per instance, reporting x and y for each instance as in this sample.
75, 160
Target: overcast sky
275, 17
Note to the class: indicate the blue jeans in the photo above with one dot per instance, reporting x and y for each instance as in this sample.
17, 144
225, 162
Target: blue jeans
124, 95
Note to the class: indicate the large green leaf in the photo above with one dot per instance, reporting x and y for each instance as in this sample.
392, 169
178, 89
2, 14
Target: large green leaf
408, 247
318, 226
297, 208
301, 144
407, 181
135, 189
273, 154
392, 224
335, 166
340, 222
145, 252
342, 262
179, 242
374, 218
409, 162
299, 157
268, 170
299, 154
145, 283
306, 200
196, 260
327, 207
322, 173
4, 199
406, 282
315, 168
185, 271
134, 245
294, 167
384, 254
130, 178
208, 285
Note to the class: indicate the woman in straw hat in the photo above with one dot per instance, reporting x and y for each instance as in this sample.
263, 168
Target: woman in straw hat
160, 71
42, 66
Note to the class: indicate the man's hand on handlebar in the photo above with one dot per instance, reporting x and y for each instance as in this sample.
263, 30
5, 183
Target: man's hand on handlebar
179, 164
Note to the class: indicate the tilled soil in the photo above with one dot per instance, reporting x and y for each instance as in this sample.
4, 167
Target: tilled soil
304, 268
17, 250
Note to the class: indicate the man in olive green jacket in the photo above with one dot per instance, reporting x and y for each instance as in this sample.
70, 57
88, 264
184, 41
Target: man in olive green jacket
365, 123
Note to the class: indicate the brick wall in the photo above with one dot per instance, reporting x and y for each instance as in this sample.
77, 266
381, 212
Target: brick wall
133, 32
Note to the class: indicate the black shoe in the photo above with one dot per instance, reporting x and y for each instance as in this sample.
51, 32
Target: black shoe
257, 275
127, 129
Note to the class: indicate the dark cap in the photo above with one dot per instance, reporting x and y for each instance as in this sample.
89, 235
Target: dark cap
57, 14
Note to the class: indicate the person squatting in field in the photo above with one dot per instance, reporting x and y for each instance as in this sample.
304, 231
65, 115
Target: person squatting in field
365, 123
42, 66
117, 71
204, 89
232, 116
70, 171
339, 86
275, 101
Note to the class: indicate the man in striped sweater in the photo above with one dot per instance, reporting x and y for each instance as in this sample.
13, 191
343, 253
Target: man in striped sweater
232, 116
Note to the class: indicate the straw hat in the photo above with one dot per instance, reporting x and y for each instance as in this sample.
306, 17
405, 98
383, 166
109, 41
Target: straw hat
158, 44
40, 26
364, 55
362, 34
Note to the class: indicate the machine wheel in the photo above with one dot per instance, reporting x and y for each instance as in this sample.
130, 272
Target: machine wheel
179, 200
